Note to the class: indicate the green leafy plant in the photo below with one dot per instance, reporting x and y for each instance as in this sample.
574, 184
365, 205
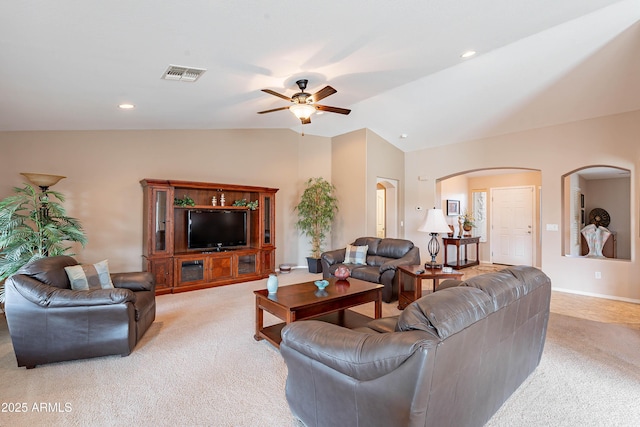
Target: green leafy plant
316, 210
34, 225
185, 201
253, 205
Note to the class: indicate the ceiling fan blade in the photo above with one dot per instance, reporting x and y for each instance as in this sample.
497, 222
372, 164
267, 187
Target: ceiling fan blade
279, 95
333, 109
306, 121
272, 110
323, 93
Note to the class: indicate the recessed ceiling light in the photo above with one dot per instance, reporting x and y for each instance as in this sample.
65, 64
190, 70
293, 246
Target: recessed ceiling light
404, 135
468, 54
126, 106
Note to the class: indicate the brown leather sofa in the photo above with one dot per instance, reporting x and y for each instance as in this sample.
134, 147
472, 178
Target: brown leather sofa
452, 358
49, 322
383, 257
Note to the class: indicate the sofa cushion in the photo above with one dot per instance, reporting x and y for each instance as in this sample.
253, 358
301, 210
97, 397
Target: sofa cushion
371, 242
356, 254
394, 248
89, 276
50, 270
502, 286
377, 260
446, 312
368, 273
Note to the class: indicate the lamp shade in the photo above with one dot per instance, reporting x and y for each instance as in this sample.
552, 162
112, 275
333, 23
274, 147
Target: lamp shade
435, 222
302, 111
42, 179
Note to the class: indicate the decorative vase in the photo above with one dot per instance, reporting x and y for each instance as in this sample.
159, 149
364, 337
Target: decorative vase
222, 200
467, 229
272, 284
342, 273
214, 202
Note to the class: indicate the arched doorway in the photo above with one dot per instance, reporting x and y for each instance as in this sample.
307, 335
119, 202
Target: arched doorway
386, 207
474, 188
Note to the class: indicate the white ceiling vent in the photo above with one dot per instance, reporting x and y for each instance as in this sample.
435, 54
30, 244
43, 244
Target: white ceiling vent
184, 74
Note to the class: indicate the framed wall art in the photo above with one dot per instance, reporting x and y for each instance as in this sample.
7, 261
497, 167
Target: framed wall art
453, 207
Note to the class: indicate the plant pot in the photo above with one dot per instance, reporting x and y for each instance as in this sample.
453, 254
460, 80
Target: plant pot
315, 266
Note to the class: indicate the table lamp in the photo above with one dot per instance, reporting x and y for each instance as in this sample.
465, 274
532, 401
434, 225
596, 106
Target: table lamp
434, 224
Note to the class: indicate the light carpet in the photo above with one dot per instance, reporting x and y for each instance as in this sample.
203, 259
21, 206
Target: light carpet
199, 365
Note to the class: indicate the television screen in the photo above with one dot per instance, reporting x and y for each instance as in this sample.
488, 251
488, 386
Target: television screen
217, 229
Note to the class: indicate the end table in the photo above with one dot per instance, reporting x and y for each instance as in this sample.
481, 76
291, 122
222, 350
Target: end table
416, 273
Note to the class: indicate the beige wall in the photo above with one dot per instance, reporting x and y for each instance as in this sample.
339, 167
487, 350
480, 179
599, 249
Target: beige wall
348, 174
383, 161
554, 151
103, 170
358, 159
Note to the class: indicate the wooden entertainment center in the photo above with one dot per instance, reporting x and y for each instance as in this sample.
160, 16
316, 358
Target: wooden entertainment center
178, 268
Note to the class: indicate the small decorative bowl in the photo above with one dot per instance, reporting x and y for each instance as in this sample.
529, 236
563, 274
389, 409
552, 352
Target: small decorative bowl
321, 284
285, 268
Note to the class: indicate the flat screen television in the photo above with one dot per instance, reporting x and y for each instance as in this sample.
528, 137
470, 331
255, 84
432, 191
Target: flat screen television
216, 229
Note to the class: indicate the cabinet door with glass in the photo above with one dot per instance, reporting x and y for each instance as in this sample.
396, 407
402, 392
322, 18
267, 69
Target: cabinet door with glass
267, 231
159, 221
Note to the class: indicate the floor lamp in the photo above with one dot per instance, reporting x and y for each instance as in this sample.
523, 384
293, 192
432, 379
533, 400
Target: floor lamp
434, 224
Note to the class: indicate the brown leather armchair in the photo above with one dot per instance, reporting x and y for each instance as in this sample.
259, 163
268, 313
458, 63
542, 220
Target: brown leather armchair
49, 322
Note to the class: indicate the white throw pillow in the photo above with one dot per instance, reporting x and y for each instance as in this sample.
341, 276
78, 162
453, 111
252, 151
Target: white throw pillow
356, 254
89, 276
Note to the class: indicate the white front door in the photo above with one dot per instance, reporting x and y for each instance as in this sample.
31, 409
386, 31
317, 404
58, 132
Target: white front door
512, 219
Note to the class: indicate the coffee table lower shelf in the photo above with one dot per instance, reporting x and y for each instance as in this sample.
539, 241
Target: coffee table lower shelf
347, 318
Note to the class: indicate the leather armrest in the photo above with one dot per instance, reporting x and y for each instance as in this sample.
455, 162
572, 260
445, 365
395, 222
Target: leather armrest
410, 258
50, 296
359, 355
136, 281
334, 257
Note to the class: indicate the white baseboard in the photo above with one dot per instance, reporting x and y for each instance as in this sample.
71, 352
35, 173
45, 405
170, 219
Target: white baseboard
592, 294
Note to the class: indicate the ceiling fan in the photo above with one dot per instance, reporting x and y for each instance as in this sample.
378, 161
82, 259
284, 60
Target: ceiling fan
304, 104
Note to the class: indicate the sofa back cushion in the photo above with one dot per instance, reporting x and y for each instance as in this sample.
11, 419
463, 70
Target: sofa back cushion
50, 270
377, 261
508, 285
446, 312
394, 248
371, 242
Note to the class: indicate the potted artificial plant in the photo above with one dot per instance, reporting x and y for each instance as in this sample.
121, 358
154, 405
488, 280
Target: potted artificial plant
316, 210
34, 225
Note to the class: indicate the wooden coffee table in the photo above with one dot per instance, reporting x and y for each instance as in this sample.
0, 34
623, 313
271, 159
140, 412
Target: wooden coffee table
305, 301
416, 273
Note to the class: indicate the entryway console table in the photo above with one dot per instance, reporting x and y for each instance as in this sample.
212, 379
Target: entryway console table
166, 250
465, 242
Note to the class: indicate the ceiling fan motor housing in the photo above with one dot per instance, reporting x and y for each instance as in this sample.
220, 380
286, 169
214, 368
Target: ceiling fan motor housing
302, 84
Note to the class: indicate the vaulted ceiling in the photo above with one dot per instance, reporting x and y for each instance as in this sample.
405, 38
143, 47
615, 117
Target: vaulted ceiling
67, 65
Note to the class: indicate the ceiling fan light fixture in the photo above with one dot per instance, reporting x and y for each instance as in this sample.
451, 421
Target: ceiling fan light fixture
302, 111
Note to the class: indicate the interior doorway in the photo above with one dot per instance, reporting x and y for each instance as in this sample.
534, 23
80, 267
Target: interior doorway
387, 207
473, 189
381, 206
